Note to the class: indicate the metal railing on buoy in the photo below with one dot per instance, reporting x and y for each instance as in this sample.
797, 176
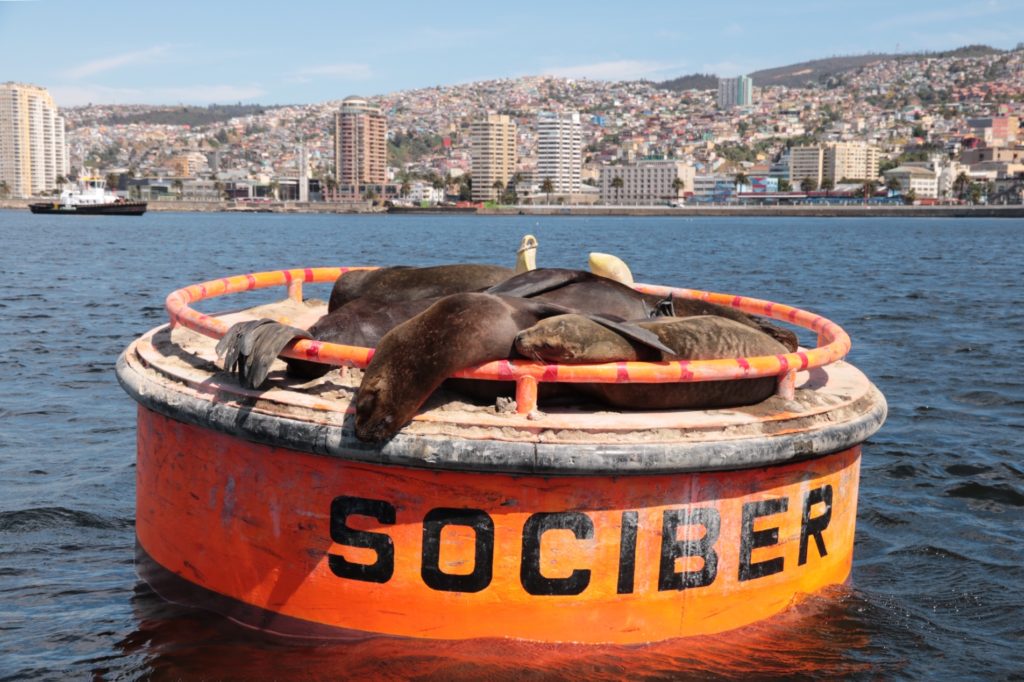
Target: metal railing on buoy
832, 342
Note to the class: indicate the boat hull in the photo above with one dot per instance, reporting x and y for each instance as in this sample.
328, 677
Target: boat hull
119, 208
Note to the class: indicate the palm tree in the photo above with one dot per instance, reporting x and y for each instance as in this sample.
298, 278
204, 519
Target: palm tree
960, 185
869, 189
808, 185
740, 179
828, 184
892, 183
547, 187
617, 184
498, 186
785, 185
406, 186
975, 192
179, 187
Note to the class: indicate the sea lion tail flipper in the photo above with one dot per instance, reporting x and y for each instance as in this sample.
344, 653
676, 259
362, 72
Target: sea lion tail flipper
250, 348
633, 333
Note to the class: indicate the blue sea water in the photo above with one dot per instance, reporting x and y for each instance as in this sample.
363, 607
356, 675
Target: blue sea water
935, 308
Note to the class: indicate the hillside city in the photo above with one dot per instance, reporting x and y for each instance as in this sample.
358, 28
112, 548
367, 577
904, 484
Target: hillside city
929, 128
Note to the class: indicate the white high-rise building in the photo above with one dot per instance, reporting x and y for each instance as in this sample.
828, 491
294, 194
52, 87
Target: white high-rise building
735, 92
33, 152
560, 151
493, 154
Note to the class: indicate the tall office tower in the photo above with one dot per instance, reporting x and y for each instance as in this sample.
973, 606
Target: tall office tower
735, 92
32, 147
360, 146
560, 151
492, 153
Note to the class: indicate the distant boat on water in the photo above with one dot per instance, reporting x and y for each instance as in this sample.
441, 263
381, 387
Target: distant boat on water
89, 197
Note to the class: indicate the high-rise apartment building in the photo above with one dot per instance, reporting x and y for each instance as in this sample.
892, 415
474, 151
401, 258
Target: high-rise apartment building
834, 161
560, 151
492, 153
360, 146
735, 92
33, 152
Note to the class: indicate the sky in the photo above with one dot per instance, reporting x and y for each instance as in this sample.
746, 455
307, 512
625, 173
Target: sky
186, 52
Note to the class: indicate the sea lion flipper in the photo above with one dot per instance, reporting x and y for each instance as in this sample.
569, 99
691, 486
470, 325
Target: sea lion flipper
633, 333
230, 345
267, 342
536, 282
249, 348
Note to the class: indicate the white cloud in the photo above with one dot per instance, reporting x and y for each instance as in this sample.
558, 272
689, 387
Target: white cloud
341, 71
77, 95
623, 69
117, 61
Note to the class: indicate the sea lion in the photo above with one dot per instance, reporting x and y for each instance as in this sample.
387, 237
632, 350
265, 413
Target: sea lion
457, 331
574, 339
363, 321
404, 283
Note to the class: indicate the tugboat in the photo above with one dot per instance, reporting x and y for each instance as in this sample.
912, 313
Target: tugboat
90, 198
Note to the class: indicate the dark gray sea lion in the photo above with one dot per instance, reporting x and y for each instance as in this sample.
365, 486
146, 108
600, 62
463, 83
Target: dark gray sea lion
413, 359
401, 283
574, 339
571, 288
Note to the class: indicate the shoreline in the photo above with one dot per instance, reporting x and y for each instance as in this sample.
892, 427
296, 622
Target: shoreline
1009, 211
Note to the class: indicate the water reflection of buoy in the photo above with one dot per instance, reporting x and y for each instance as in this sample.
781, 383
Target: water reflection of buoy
568, 525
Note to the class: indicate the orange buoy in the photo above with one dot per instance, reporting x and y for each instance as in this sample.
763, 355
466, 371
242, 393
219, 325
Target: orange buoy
560, 526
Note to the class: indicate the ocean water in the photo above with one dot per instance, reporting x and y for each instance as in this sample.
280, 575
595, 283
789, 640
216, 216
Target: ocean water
935, 309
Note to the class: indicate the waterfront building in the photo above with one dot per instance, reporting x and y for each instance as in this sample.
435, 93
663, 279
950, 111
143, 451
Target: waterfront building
833, 161
806, 162
714, 188
360, 147
492, 154
560, 151
735, 92
923, 182
33, 151
850, 160
646, 183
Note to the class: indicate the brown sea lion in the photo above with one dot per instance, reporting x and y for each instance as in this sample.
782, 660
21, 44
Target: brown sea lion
363, 321
457, 331
574, 339
402, 283
563, 287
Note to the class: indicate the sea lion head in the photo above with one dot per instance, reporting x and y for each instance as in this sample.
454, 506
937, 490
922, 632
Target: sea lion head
572, 339
375, 415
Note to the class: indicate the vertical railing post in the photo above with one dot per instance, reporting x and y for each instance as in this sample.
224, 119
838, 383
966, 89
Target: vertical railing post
526, 394
786, 386
295, 290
